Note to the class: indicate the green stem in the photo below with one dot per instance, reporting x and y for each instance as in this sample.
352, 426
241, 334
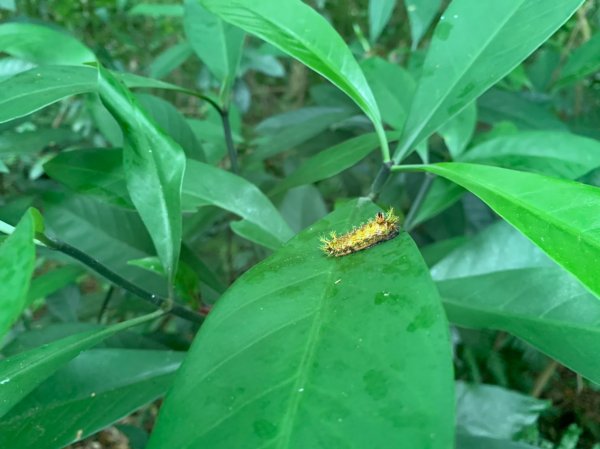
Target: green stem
385, 149
229, 140
380, 180
408, 168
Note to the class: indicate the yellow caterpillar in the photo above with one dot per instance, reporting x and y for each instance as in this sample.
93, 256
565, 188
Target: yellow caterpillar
379, 229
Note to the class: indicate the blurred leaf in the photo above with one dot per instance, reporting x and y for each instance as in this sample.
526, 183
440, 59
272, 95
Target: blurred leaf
156, 11
393, 88
498, 105
217, 44
285, 131
434, 252
52, 281
557, 215
91, 392
169, 60
263, 63
17, 261
358, 343
204, 273
441, 195
458, 131
420, 15
332, 161
584, 61
22, 373
28, 142
494, 412
553, 153
252, 232
42, 45
37, 88
300, 31
468, 54
464, 441
154, 165
380, 12
215, 186
302, 206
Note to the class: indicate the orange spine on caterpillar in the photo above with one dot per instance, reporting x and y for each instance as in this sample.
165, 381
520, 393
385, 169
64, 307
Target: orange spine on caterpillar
379, 229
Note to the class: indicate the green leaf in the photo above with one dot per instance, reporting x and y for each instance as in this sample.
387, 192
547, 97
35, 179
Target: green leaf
91, 392
458, 131
255, 234
553, 153
169, 60
17, 261
156, 11
501, 281
287, 130
52, 281
584, 61
37, 88
28, 142
380, 12
468, 54
94, 171
420, 15
497, 106
22, 373
332, 161
393, 88
441, 195
464, 441
217, 44
154, 165
42, 45
298, 30
557, 215
302, 206
511, 413
207, 184
358, 344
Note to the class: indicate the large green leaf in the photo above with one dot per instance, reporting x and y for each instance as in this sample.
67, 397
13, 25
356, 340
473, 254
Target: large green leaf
93, 391
154, 165
309, 351
23, 372
37, 88
217, 44
42, 45
468, 54
333, 160
205, 184
17, 260
300, 31
501, 281
557, 215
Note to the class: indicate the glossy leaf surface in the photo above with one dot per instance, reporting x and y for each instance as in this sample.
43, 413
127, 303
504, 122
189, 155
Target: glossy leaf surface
358, 344
154, 165
91, 392
17, 260
468, 54
557, 215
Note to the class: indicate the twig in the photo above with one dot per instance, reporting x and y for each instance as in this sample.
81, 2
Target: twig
166, 304
416, 205
229, 140
380, 180
544, 377
107, 299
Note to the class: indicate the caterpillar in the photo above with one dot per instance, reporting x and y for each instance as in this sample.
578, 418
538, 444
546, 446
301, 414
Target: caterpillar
379, 229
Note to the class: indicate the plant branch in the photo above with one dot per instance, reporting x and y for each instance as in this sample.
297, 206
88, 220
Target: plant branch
380, 180
165, 304
229, 140
418, 202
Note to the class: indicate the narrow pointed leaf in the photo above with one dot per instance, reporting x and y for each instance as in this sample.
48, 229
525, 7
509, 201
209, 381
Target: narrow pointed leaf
468, 54
17, 260
309, 351
297, 29
380, 12
557, 215
21, 373
420, 15
154, 165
